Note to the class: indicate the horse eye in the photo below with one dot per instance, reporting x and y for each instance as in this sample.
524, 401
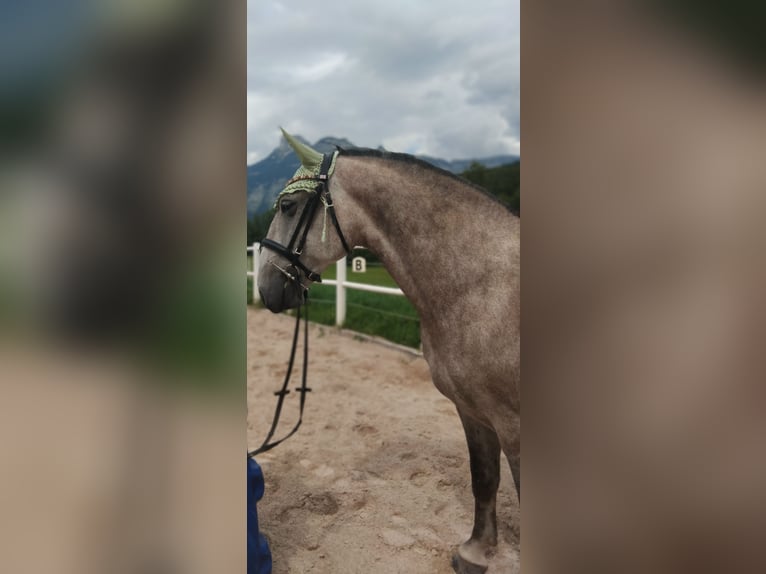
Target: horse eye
288, 207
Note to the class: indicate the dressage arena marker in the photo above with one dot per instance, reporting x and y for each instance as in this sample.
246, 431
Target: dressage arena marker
359, 265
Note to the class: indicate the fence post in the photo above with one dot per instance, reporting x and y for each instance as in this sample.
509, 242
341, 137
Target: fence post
255, 268
340, 292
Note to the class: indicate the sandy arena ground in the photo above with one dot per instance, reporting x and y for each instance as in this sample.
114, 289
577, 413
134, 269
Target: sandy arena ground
376, 481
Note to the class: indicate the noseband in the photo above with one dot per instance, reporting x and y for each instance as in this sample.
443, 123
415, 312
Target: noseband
294, 249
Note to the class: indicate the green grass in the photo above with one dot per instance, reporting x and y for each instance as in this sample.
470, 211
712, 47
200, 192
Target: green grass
389, 316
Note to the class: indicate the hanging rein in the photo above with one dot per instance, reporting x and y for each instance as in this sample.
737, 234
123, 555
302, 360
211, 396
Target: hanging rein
292, 253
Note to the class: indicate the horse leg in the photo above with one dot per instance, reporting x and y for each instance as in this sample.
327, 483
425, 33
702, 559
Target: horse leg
484, 454
513, 454
516, 472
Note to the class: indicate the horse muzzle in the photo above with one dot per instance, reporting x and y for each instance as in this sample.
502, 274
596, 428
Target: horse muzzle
279, 292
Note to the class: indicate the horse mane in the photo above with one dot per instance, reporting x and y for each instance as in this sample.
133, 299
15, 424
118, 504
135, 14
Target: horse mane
412, 160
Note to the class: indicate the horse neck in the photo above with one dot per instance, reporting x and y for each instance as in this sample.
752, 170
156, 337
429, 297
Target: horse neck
425, 226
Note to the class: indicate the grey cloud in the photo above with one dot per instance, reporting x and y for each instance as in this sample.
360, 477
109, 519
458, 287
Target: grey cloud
436, 81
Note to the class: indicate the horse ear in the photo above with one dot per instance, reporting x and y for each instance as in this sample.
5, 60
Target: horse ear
310, 158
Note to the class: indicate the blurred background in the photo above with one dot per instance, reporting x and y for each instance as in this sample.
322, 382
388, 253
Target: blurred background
121, 292
643, 310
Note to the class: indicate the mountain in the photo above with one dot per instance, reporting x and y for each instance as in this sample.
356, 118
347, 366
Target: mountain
266, 178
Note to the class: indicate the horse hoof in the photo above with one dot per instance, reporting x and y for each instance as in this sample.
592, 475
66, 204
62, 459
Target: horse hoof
461, 566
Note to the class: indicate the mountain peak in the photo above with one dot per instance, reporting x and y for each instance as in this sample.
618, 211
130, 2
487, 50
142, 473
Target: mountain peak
328, 143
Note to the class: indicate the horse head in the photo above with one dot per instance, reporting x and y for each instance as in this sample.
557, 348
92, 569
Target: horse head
299, 245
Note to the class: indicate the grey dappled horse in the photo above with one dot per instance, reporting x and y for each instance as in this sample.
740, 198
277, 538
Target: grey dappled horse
455, 253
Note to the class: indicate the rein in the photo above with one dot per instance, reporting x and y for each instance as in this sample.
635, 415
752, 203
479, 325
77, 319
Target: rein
292, 252
284, 391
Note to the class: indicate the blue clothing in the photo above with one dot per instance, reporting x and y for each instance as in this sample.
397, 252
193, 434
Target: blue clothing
258, 554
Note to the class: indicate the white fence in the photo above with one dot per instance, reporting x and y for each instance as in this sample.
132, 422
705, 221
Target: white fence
341, 283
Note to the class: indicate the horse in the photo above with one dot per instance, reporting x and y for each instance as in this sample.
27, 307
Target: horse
455, 252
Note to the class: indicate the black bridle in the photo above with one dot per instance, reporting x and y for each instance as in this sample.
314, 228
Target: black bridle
292, 253
294, 249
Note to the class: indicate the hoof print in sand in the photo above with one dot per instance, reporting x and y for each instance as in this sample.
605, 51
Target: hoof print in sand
323, 503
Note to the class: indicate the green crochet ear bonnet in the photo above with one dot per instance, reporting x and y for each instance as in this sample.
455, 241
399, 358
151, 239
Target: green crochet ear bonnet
305, 179
311, 162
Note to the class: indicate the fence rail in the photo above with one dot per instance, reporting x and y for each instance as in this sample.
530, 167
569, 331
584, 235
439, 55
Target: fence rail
341, 284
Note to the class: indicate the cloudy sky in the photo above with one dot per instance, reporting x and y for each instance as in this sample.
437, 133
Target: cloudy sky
425, 77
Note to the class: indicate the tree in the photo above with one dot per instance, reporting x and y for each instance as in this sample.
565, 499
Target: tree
250, 232
258, 226
476, 173
504, 182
